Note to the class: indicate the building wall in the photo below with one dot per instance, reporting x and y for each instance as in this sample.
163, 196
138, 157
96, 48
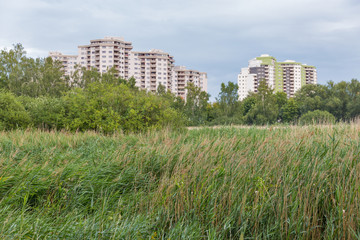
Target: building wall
69, 61
181, 77
103, 54
247, 82
203, 81
150, 69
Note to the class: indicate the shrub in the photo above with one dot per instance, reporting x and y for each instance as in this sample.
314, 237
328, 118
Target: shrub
317, 117
45, 112
108, 108
12, 112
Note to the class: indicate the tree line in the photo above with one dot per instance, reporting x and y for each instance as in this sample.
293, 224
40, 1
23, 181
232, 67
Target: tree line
333, 102
35, 93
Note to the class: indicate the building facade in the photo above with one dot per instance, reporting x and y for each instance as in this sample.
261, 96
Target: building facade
68, 61
150, 69
103, 54
181, 77
288, 76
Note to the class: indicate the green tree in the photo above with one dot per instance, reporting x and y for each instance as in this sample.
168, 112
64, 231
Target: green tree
195, 106
228, 98
311, 97
317, 117
337, 100
265, 110
12, 112
353, 106
290, 111
45, 112
30, 77
108, 107
281, 99
11, 71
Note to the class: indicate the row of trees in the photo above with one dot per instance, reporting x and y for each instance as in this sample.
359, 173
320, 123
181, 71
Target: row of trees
34, 92
331, 102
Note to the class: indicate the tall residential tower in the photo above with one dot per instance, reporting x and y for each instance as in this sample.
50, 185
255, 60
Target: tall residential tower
150, 69
288, 76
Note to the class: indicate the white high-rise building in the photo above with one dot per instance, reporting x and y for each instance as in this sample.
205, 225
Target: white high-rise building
182, 76
106, 53
69, 61
150, 69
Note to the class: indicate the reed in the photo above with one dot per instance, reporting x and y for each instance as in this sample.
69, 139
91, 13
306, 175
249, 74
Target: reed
225, 183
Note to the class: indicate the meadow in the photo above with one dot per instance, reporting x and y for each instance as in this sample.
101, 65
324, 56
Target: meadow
224, 183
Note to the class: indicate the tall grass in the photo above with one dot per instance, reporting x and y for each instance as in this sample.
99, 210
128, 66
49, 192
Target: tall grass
225, 183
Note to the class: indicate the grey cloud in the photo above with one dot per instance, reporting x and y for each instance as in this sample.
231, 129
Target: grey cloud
215, 36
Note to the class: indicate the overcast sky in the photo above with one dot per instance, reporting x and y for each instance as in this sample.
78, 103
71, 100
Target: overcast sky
215, 36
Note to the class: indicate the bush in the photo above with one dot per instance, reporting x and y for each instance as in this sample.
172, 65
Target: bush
45, 112
108, 108
317, 117
12, 112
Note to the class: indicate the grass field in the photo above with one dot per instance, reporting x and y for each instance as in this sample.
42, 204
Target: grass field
224, 183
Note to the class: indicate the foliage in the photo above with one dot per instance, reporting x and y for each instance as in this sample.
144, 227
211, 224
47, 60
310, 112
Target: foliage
264, 110
25, 76
228, 98
195, 105
311, 97
107, 108
45, 112
290, 111
12, 112
317, 117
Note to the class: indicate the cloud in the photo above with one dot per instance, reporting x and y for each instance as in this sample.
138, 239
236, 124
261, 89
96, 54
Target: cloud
216, 36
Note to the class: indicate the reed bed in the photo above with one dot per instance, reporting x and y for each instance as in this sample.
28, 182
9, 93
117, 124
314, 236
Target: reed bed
224, 183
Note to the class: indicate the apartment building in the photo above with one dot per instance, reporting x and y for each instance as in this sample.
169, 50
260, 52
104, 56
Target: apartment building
203, 81
182, 76
106, 53
152, 68
69, 61
288, 76
310, 74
